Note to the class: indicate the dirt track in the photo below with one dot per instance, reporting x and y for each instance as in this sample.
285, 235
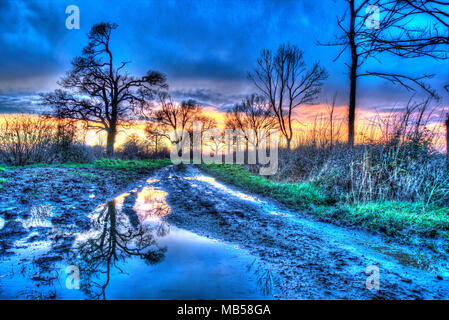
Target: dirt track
307, 259
311, 260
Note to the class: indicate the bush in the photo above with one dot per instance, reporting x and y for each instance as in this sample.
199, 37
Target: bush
400, 165
137, 148
26, 139
76, 152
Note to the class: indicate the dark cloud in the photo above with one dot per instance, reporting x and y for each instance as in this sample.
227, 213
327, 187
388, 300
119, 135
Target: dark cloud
29, 37
207, 97
20, 103
201, 45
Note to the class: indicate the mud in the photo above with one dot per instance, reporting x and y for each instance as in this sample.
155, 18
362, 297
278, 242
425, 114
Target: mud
313, 260
121, 227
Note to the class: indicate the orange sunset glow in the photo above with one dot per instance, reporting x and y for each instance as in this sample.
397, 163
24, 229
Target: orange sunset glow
308, 121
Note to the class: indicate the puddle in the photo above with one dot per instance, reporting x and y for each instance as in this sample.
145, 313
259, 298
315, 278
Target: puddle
222, 187
130, 252
369, 245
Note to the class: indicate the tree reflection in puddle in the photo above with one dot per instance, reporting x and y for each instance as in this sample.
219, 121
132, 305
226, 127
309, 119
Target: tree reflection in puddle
113, 238
131, 252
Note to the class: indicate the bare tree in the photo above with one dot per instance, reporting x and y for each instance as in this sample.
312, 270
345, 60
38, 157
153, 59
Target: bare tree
207, 123
430, 39
100, 92
407, 39
155, 135
364, 43
175, 118
253, 113
286, 83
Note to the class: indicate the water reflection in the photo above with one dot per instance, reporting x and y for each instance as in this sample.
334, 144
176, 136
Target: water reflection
150, 204
124, 255
221, 186
115, 236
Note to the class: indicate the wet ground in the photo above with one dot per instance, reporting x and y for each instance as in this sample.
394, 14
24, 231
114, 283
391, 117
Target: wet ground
180, 234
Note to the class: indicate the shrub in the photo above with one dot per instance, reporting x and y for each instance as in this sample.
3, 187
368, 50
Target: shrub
26, 139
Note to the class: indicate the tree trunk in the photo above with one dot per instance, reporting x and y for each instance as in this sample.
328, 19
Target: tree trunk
110, 142
289, 142
447, 142
352, 105
352, 79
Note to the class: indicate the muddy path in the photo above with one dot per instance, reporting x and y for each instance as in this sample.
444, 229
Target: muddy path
177, 233
311, 260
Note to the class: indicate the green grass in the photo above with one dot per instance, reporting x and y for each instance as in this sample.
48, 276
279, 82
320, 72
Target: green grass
2, 180
132, 164
86, 175
152, 164
400, 219
296, 195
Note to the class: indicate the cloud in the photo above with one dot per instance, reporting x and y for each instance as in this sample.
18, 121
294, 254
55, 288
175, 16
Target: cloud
205, 47
207, 97
28, 39
20, 104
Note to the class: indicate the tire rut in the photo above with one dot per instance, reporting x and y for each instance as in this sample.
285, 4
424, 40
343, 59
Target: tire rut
307, 264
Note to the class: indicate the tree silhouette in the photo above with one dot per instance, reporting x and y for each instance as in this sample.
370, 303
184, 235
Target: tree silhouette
207, 123
408, 39
175, 118
100, 92
112, 239
253, 113
364, 43
286, 83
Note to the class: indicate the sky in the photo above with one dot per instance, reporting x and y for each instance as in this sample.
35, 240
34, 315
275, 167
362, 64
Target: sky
205, 48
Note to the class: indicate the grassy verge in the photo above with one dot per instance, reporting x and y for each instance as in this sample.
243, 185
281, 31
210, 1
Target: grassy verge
401, 219
297, 195
151, 164
395, 218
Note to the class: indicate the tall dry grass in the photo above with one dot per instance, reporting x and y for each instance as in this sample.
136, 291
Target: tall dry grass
400, 163
26, 139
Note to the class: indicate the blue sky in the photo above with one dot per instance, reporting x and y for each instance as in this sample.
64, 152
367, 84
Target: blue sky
206, 48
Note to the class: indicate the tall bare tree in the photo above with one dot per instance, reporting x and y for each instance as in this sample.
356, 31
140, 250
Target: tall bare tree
99, 91
284, 80
207, 123
364, 42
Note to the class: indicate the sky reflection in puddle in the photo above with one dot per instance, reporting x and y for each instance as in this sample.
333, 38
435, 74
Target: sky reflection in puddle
221, 186
131, 253
270, 208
